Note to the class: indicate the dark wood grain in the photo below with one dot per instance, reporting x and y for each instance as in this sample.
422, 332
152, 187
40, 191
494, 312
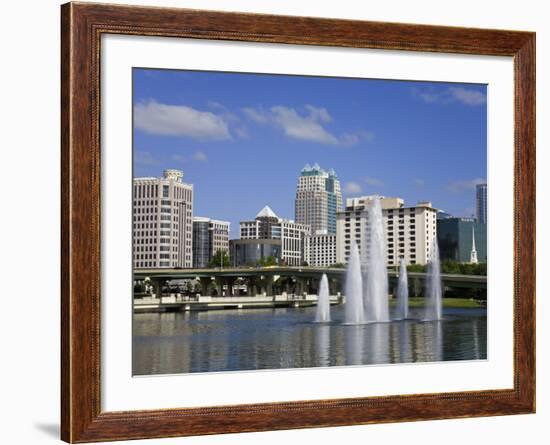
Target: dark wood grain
82, 26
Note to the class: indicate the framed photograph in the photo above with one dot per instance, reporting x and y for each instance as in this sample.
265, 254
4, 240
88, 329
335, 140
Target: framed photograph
274, 222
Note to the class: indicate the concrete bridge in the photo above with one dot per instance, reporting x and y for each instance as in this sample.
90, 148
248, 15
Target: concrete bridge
275, 280
454, 281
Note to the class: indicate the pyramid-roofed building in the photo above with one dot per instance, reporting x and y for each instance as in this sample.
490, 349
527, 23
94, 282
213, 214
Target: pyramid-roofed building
266, 212
269, 236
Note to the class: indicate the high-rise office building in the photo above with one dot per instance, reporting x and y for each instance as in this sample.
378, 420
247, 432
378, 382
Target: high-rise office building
162, 221
209, 237
458, 237
409, 231
318, 198
268, 235
481, 203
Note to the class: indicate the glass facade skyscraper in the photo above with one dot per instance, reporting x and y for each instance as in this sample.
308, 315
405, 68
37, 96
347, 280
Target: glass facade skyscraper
481, 203
456, 239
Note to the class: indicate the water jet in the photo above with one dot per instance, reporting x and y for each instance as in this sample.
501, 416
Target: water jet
353, 310
323, 302
403, 292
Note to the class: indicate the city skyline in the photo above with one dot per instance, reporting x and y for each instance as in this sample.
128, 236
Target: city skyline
331, 188
416, 140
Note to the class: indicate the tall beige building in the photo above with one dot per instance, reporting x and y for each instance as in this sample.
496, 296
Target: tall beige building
318, 199
163, 221
409, 231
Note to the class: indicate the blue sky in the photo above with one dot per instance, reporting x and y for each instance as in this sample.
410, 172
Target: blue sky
242, 139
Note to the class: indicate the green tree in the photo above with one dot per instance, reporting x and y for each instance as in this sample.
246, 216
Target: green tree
269, 261
482, 269
416, 268
220, 259
450, 266
454, 267
467, 269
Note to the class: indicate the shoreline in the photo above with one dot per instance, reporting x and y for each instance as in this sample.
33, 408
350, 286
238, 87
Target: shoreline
251, 304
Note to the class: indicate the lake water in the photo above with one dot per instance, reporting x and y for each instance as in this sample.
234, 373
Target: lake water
234, 340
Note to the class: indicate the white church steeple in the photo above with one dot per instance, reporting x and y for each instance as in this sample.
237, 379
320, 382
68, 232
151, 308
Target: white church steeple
473, 253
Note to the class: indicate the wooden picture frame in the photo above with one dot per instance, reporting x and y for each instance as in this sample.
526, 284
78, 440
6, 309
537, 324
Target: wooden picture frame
82, 26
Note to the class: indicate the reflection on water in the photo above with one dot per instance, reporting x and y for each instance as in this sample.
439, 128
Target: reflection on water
233, 340
323, 345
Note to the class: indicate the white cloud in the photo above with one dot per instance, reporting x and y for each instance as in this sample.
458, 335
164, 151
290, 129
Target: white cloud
352, 188
308, 125
197, 156
215, 105
242, 132
179, 158
349, 139
305, 127
373, 181
465, 96
145, 158
223, 112
257, 115
179, 120
464, 186
200, 156
320, 114
427, 96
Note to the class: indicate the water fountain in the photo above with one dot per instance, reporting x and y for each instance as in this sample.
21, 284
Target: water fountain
376, 295
323, 302
353, 310
403, 292
433, 286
